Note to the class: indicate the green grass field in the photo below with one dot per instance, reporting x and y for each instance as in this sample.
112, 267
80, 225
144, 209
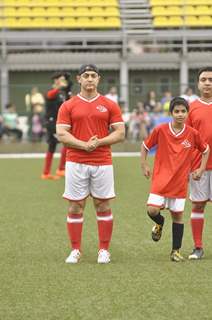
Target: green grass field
141, 283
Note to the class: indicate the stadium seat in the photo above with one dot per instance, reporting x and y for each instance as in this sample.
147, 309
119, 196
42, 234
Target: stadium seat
98, 22
112, 22
190, 10
205, 21
173, 10
112, 12
159, 11
53, 12
38, 12
160, 22
82, 12
202, 10
97, 12
9, 12
67, 12
68, 23
54, 23
23, 12
24, 23
192, 21
83, 22
175, 21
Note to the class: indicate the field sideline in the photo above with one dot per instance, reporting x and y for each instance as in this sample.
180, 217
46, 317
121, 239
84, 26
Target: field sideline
141, 283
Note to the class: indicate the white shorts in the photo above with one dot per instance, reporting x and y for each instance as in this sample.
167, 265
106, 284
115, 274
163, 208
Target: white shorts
82, 180
201, 190
173, 204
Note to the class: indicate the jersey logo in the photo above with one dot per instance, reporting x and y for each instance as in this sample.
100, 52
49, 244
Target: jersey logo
186, 144
101, 108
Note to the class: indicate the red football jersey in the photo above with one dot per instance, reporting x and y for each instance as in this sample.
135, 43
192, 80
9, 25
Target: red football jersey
200, 118
87, 118
173, 159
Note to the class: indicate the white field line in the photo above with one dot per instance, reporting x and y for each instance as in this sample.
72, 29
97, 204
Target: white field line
57, 155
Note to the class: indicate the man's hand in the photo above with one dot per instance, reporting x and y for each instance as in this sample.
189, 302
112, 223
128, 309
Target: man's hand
196, 175
92, 144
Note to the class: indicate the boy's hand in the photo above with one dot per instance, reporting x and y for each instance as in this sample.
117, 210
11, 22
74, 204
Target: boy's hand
146, 170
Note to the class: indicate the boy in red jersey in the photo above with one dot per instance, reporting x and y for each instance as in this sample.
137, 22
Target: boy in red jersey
83, 126
199, 117
175, 143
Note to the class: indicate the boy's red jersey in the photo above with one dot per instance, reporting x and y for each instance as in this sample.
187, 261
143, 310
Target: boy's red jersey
173, 159
199, 118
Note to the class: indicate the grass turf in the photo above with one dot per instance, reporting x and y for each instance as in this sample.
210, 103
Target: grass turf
141, 283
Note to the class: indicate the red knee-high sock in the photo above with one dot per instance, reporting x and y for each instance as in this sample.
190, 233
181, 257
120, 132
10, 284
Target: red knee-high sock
197, 224
48, 162
74, 226
105, 228
62, 158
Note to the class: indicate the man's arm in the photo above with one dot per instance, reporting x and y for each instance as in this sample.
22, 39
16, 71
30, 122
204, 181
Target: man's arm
117, 135
64, 136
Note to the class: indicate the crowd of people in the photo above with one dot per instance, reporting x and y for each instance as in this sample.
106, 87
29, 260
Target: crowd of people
139, 121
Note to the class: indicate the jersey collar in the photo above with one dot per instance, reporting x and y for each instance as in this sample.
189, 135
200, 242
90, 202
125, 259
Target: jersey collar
206, 103
88, 100
174, 133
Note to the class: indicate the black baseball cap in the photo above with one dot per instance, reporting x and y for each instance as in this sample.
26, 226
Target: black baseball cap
88, 67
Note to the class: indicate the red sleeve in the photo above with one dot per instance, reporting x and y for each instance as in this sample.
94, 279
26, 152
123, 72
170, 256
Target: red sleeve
200, 144
152, 139
115, 114
51, 94
64, 115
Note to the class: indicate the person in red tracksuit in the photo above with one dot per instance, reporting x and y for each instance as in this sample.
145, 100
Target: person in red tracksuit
60, 92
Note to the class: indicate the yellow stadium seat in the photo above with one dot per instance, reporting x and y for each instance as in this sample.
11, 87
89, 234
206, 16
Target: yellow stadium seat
83, 22
191, 21
113, 22
23, 12
68, 23
82, 12
112, 12
11, 22
190, 10
160, 22
38, 12
39, 23
97, 12
9, 2
54, 23
175, 21
24, 23
159, 11
9, 12
205, 21
98, 22
174, 10
53, 12
202, 10
67, 12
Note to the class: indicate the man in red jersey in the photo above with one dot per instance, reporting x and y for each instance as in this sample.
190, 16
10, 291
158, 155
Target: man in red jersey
199, 117
60, 91
83, 125
175, 143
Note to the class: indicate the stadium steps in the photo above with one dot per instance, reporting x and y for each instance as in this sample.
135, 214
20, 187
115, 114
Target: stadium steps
136, 16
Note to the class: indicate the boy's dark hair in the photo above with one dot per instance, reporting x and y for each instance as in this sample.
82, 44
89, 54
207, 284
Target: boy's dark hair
205, 69
178, 101
9, 105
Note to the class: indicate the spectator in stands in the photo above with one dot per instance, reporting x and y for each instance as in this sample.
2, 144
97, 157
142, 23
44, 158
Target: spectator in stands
189, 95
37, 126
113, 94
10, 122
34, 99
34, 102
1, 127
150, 103
60, 92
165, 101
